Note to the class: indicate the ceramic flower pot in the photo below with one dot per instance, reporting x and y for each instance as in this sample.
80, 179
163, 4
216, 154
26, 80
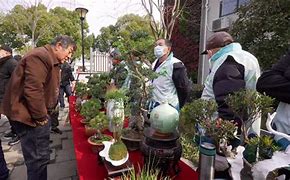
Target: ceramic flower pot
164, 118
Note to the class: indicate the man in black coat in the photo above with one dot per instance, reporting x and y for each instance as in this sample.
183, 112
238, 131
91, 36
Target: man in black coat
7, 66
275, 83
65, 83
65, 87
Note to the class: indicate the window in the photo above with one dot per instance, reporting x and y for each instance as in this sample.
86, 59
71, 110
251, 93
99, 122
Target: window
230, 6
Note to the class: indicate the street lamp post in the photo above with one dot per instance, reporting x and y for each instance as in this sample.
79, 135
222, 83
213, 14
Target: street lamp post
82, 12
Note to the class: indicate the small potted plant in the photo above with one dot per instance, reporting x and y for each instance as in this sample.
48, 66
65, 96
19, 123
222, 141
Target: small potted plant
258, 149
115, 151
249, 105
81, 91
199, 114
90, 109
97, 124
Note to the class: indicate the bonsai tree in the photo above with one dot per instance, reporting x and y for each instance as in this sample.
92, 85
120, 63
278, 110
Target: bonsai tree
97, 85
96, 125
81, 89
248, 105
90, 109
199, 114
194, 113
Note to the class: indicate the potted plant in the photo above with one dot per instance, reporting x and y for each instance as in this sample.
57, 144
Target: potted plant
248, 105
139, 94
258, 149
199, 115
90, 109
97, 85
115, 151
97, 124
81, 91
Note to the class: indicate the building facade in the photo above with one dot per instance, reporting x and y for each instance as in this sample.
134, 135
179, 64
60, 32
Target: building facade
216, 15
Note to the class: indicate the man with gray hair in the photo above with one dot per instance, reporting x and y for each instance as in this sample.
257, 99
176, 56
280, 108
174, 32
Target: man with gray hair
31, 95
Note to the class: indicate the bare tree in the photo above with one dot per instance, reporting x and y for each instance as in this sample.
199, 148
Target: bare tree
168, 12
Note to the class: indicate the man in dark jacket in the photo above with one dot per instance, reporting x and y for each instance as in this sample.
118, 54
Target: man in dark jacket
7, 66
66, 79
275, 83
65, 83
231, 69
31, 95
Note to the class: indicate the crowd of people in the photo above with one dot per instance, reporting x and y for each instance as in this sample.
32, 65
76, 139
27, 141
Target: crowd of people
32, 89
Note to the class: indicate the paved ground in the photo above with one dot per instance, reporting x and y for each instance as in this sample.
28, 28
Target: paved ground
62, 159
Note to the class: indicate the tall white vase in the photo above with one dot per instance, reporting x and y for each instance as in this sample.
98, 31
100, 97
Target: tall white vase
115, 108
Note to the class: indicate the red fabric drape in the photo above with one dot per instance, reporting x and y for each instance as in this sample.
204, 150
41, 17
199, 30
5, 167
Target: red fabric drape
88, 165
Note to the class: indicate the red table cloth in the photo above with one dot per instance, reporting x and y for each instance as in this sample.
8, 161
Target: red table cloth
88, 164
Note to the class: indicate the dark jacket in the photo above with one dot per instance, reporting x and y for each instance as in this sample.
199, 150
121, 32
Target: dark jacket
275, 82
66, 74
228, 78
7, 66
34, 87
181, 83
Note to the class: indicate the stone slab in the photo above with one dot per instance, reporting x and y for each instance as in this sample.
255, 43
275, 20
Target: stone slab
67, 144
18, 173
62, 170
65, 155
56, 143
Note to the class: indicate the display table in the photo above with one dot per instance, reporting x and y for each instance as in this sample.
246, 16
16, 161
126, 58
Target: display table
88, 165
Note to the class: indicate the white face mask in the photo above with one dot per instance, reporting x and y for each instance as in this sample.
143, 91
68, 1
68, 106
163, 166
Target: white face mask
159, 51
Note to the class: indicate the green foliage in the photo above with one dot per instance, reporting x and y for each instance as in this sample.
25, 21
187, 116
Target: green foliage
131, 33
195, 112
119, 73
97, 85
266, 145
36, 25
219, 129
147, 173
90, 109
264, 29
190, 150
101, 121
116, 94
81, 89
99, 138
118, 151
249, 105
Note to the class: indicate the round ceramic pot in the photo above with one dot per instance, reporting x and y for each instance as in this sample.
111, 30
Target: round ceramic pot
164, 118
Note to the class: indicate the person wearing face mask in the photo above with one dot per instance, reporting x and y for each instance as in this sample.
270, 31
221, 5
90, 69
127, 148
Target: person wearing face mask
231, 69
172, 85
30, 97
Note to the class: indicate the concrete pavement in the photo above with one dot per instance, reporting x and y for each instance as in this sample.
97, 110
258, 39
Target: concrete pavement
62, 158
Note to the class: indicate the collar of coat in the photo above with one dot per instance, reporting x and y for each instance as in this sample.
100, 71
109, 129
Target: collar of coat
4, 59
49, 49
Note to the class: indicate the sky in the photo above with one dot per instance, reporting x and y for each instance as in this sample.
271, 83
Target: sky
101, 13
